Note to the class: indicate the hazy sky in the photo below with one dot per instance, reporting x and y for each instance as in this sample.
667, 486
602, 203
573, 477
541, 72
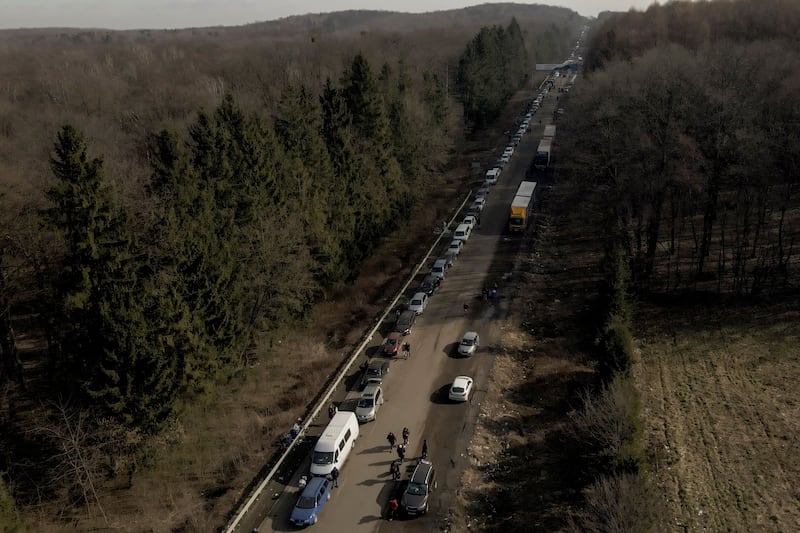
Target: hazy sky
158, 14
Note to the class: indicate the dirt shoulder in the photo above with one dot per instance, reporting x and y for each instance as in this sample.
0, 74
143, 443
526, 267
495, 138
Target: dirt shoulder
520, 478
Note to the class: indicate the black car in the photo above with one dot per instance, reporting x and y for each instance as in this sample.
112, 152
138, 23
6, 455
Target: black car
430, 284
416, 498
374, 372
405, 322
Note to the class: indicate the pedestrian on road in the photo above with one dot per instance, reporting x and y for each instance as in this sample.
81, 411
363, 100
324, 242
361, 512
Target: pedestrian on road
406, 350
331, 411
395, 470
397, 314
335, 476
425, 448
392, 439
466, 308
401, 452
391, 512
405, 436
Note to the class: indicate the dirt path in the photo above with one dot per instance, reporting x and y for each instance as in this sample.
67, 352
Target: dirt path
722, 417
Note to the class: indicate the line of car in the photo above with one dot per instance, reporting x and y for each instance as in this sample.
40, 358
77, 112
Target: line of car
415, 499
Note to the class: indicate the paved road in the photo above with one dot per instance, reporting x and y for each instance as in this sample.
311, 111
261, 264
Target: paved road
415, 388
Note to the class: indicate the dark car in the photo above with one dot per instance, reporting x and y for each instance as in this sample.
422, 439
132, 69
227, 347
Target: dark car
405, 322
416, 498
430, 284
375, 372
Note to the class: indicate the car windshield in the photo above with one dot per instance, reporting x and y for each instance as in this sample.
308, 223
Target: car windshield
391, 342
366, 402
457, 390
467, 342
323, 458
373, 371
306, 502
416, 302
417, 489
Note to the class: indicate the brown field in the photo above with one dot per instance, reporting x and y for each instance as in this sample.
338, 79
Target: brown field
721, 414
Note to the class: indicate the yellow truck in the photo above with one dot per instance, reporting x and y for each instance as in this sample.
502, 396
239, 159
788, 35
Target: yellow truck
521, 207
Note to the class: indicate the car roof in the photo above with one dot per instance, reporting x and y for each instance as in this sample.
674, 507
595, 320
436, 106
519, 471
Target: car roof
395, 335
421, 471
471, 335
314, 485
461, 380
377, 363
371, 389
419, 295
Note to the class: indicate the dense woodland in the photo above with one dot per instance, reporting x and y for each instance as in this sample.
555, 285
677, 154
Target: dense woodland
172, 199
686, 131
690, 123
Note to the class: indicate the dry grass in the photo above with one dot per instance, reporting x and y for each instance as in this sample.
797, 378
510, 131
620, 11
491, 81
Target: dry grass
722, 415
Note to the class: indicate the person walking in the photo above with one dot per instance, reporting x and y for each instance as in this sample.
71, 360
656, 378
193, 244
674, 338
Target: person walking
405, 436
391, 511
392, 439
406, 350
466, 308
331, 411
397, 314
335, 476
401, 452
394, 470
424, 448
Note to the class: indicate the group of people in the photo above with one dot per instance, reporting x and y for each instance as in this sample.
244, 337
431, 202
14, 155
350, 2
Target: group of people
401, 451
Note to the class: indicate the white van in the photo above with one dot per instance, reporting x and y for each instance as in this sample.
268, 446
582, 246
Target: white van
462, 233
492, 176
335, 444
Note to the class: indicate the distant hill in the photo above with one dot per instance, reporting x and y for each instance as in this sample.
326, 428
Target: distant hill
340, 22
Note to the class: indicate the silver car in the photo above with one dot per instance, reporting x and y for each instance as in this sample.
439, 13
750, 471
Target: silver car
469, 343
369, 403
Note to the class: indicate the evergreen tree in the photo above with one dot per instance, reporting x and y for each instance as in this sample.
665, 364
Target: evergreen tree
107, 341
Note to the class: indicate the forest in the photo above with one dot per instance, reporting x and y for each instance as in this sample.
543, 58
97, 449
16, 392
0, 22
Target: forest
685, 134
691, 129
173, 209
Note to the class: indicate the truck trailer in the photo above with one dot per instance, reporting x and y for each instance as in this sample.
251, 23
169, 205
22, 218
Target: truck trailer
521, 206
542, 158
549, 132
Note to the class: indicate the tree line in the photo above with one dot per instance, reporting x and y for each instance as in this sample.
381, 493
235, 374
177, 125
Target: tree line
688, 123
491, 68
247, 222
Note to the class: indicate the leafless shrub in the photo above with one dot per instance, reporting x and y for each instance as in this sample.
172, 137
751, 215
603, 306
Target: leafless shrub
617, 504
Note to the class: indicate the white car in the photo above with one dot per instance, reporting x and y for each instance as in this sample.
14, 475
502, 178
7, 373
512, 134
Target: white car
470, 221
479, 203
503, 160
469, 343
455, 246
461, 389
509, 151
418, 303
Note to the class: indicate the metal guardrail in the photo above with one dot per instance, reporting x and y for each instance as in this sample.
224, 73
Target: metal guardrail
324, 400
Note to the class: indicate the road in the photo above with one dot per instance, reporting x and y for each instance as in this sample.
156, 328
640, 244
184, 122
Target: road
416, 389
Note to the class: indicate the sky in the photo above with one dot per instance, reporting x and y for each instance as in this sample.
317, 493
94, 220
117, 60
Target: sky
161, 14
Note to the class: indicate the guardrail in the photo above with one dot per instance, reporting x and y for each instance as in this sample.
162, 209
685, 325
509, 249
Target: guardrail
234, 524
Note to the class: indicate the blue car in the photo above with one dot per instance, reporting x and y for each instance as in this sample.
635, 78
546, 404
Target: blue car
311, 501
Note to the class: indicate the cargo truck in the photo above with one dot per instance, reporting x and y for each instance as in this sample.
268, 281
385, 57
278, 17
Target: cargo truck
549, 132
521, 206
542, 158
